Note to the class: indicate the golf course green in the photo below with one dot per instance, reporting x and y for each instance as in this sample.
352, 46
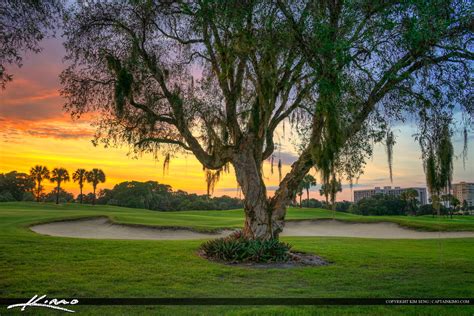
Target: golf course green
360, 268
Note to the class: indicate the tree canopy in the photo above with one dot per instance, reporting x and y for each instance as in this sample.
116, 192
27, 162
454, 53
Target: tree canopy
58, 176
160, 197
80, 176
217, 78
23, 24
39, 173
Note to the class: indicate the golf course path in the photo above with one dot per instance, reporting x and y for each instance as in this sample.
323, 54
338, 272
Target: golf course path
102, 228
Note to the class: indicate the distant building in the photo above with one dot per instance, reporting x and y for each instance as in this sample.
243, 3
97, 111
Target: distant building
397, 191
464, 191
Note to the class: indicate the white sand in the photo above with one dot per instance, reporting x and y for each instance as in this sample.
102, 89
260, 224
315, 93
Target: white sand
102, 228
334, 228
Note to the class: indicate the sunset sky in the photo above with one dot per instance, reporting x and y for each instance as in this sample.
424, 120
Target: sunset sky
35, 130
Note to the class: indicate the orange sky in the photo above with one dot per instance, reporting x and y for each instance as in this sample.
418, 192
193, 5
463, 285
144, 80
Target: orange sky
35, 130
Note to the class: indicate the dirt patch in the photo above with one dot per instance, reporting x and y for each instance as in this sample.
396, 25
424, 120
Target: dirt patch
298, 259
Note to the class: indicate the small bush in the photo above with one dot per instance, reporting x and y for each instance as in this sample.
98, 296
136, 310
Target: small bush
235, 248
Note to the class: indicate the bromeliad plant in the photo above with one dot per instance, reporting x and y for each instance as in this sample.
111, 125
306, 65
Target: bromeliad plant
236, 249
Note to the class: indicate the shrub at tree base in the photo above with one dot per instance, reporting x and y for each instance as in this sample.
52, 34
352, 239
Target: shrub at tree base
236, 249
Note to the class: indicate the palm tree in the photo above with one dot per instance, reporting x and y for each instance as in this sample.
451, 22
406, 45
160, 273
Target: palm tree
80, 176
299, 192
59, 175
308, 182
329, 190
335, 186
95, 176
324, 190
39, 173
451, 202
455, 202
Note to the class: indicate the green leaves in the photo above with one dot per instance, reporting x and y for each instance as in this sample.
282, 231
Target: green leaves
238, 249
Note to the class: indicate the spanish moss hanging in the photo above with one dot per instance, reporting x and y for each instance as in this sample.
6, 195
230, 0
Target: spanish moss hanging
465, 148
271, 164
279, 170
166, 164
213, 176
389, 143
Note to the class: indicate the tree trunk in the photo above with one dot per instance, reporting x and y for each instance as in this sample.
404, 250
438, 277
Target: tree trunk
93, 199
264, 217
301, 205
38, 192
80, 188
438, 204
57, 194
307, 197
333, 206
258, 221
287, 190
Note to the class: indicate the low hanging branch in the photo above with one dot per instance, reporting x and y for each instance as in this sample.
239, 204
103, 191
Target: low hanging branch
465, 147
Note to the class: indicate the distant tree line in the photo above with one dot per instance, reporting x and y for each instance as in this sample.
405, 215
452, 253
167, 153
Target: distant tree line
380, 204
17, 186
61, 175
407, 204
160, 197
328, 190
341, 206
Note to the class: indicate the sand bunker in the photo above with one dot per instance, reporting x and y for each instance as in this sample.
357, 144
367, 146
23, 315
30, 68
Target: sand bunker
334, 228
102, 228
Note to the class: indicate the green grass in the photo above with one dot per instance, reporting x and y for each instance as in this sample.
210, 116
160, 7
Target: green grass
67, 267
213, 220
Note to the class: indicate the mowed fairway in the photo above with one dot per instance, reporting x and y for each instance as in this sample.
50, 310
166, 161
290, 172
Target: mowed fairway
66, 267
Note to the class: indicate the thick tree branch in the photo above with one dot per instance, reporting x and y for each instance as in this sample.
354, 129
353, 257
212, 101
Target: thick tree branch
159, 140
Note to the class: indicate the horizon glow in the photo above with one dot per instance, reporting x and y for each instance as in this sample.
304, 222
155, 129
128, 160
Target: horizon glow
35, 130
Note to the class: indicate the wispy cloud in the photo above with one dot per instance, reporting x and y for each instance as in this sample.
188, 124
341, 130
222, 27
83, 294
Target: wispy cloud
57, 129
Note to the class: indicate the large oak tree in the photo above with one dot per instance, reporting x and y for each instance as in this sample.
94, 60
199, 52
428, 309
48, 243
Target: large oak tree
217, 78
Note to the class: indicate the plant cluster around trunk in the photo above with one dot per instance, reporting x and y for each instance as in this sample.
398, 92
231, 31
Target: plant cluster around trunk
237, 249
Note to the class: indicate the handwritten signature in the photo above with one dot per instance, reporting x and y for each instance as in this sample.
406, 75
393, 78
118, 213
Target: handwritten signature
41, 301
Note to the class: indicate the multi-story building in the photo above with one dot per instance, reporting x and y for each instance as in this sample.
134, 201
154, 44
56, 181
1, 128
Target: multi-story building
464, 191
397, 191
